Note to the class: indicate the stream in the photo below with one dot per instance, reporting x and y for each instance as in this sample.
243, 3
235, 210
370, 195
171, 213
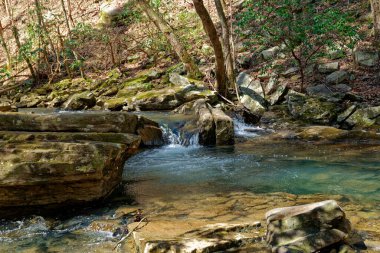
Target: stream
170, 177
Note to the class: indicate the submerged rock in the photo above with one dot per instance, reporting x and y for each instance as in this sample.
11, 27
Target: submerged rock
306, 228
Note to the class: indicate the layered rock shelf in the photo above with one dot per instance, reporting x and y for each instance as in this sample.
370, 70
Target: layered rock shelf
65, 158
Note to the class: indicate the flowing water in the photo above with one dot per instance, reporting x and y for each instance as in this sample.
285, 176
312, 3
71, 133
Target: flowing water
348, 172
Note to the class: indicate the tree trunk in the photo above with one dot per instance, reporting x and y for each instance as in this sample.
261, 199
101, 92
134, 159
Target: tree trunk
5, 47
226, 43
69, 35
23, 55
210, 29
375, 6
178, 47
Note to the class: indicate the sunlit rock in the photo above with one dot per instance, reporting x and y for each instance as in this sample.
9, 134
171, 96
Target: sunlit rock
306, 228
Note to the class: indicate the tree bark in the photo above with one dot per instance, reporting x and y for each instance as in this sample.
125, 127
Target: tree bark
168, 32
210, 29
375, 6
226, 43
5, 47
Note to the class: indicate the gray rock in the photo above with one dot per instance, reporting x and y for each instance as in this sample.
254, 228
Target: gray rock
224, 127
366, 58
306, 228
178, 80
278, 95
270, 53
254, 106
243, 79
319, 90
342, 88
110, 10
328, 68
364, 117
247, 83
85, 100
347, 113
271, 85
206, 126
338, 77
290, 72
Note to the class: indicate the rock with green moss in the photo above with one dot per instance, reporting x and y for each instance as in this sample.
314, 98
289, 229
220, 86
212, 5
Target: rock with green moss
364, 118
30, 101
115, 104
81, 101
311, 109
100, 122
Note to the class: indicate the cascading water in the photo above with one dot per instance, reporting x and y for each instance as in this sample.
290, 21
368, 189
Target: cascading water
175, 137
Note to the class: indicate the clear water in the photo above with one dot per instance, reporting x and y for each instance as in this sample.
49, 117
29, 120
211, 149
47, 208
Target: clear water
351, 170
295, 168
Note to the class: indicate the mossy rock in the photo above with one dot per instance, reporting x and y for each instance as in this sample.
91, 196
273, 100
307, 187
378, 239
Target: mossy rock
115, 104
312, 110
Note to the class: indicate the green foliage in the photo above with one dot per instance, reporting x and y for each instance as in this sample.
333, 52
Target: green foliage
128, 16
4, 73
305, 28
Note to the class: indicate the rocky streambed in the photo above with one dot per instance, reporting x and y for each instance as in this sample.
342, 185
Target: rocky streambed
192, 198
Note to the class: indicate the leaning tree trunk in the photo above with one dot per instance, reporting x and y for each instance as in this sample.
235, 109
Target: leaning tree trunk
210, 29
227, 46
168, 32
375, 6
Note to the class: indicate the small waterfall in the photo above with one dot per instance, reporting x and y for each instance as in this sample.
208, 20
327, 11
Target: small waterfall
176, 137
243, 129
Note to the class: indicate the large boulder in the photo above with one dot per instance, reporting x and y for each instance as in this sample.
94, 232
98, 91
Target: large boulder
214, 126
307, 228
53, 173
311, 109
67, 157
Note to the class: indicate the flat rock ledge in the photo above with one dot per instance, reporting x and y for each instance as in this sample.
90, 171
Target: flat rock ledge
67, 158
